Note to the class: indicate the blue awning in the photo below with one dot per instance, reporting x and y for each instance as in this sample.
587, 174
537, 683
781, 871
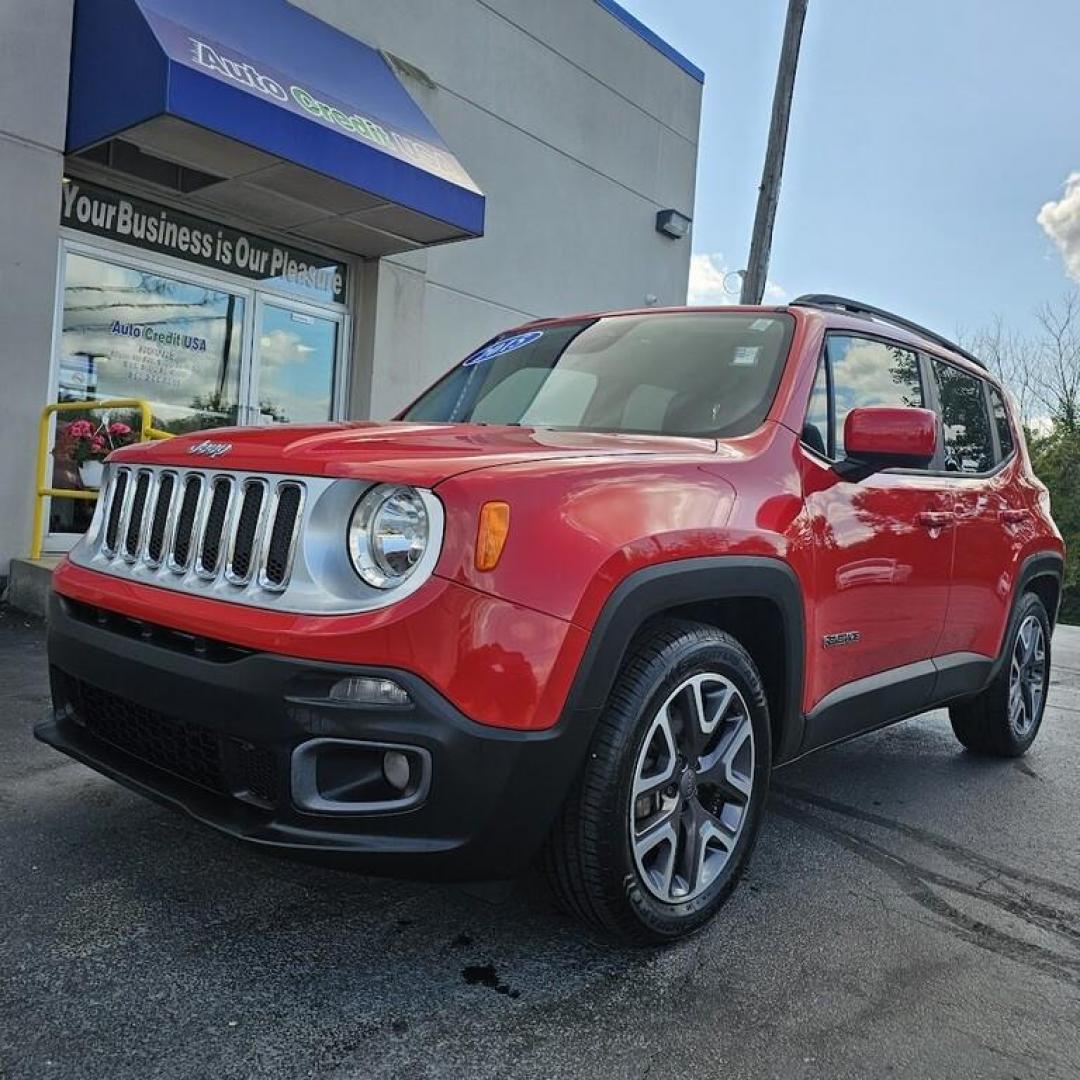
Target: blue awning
280, 116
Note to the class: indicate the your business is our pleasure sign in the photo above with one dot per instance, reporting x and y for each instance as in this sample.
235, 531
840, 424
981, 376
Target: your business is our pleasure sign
152, 227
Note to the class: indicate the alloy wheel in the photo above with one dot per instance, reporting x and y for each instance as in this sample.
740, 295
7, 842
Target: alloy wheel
692, 786
1027, 676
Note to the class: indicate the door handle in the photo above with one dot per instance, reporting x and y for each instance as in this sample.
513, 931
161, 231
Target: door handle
1014, 517
936, 519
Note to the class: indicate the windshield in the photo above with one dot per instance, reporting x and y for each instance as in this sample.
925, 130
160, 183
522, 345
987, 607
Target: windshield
693, 373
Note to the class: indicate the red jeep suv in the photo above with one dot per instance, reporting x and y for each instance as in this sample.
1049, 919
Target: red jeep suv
576, 603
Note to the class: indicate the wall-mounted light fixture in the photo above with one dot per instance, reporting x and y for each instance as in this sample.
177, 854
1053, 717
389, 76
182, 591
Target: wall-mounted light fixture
673, 224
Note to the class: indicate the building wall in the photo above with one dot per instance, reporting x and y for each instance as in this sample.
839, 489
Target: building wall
35, 42
575, 128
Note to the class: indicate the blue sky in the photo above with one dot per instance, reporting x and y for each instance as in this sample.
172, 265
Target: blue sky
925, 139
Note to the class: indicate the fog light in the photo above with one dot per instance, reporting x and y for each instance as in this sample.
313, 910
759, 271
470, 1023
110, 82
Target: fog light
362, 690
395, 767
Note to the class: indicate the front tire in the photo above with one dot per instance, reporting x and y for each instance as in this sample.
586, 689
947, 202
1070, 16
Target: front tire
660, 825
1005, 718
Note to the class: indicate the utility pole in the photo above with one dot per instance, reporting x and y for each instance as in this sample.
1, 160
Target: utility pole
753, 286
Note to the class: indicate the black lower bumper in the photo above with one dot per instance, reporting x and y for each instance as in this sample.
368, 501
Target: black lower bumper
218, 732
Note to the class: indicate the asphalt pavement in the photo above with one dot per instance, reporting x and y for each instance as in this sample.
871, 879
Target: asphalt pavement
911, 911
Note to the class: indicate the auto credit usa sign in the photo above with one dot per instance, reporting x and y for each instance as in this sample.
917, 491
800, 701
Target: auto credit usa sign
226, 63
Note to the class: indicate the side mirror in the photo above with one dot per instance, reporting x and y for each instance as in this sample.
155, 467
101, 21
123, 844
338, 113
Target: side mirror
885, 436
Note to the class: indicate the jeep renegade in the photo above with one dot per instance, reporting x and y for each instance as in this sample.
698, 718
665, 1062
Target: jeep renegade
576, 604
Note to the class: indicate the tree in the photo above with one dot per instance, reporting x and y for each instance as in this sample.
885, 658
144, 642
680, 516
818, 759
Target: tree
1057, 370
1043, 374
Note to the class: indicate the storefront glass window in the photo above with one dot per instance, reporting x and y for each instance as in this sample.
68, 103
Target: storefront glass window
129, 333
202, 354
295, 366
133, 334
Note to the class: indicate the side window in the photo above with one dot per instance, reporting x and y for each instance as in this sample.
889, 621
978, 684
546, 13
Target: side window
866, 372
969, 447
815, 432
1001, 422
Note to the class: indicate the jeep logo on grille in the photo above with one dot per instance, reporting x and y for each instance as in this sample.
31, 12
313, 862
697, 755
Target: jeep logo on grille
210, 449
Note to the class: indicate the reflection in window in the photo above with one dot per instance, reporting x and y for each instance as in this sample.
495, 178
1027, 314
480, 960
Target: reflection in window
1001, 421
815, 431
968, 444
865, 373
128, 333
296, 366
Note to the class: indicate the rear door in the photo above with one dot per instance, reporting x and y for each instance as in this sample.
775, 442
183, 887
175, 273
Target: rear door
979, 463
883, 546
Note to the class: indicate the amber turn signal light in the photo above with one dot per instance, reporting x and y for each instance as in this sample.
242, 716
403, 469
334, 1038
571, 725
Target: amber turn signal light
491, 534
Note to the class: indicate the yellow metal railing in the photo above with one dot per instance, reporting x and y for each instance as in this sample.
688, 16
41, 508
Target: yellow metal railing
146, 433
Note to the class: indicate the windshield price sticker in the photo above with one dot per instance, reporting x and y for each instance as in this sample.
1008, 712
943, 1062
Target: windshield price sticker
502, 347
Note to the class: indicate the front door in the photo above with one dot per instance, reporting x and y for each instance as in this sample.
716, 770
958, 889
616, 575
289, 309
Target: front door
883, 546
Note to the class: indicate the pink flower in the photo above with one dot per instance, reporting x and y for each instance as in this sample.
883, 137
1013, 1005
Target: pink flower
97, 444
119, 431
80, 429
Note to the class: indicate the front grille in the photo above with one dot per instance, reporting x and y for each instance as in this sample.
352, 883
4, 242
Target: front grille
202, 526
220, 763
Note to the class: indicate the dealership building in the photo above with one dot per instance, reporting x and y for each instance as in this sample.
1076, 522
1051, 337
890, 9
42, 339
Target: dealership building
267, 211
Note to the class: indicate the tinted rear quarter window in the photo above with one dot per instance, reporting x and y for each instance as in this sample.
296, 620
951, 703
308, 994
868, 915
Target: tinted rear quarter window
1001, 422
969, 446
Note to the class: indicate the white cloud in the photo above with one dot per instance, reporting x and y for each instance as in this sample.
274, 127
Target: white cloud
714, 283
707, 273
280, 347
1061, 222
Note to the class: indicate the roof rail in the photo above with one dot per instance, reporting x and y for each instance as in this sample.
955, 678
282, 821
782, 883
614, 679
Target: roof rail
857, 307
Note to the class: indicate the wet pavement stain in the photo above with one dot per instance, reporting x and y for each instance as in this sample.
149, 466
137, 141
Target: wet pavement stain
485, 975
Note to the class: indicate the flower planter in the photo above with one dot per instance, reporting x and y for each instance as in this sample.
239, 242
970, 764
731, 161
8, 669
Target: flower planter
90, 473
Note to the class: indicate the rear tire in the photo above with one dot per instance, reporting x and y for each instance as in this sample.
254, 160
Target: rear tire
1005, 718
660, 824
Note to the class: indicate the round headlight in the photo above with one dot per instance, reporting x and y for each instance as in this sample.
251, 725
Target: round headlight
388, 535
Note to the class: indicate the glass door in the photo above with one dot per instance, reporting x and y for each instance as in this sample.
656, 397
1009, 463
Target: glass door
294, 369
127, 331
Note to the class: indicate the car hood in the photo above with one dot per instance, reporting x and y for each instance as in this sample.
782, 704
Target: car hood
421, 454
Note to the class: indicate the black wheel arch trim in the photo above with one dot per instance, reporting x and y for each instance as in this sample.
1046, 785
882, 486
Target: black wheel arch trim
656, 589
1041, 564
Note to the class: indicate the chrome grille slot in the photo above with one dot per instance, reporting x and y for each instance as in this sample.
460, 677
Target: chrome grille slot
213, 528
183, 538
249, 522
157, 541
117, 492
133, 534
281, 541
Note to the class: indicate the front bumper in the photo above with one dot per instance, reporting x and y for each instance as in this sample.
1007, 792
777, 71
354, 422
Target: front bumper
217, 732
